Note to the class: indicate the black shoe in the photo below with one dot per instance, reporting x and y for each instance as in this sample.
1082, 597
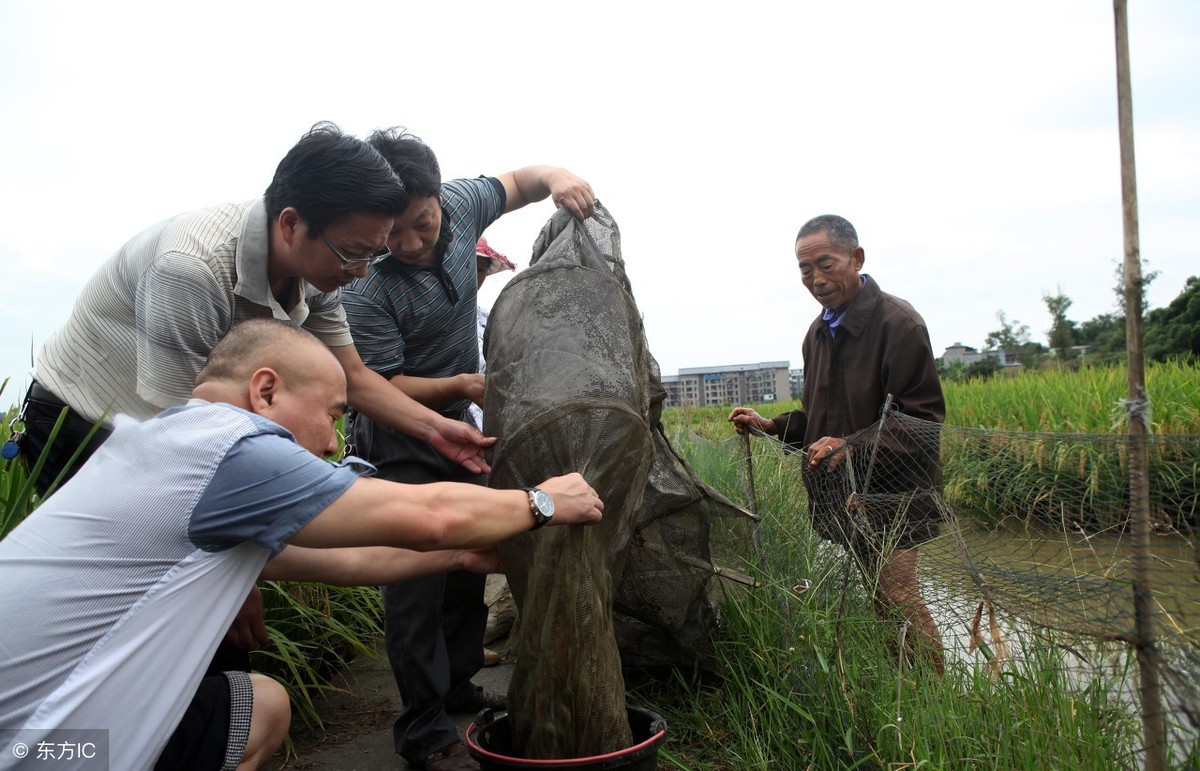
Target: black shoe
452, 757
478, 700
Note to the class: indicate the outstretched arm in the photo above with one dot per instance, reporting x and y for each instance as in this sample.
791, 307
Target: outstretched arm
441, 515
438, 392
371, 394
534, 183
373, 565
745, 417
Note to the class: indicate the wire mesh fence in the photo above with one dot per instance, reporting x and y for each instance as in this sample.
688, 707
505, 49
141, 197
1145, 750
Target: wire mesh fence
1025, 546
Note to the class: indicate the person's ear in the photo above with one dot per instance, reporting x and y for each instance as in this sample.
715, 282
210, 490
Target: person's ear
264, 387
859, 255
289, 222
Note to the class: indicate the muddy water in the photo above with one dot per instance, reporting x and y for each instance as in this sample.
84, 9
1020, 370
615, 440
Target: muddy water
1079, 586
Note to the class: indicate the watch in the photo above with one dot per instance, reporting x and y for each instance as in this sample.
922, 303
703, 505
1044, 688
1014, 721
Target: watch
541, 505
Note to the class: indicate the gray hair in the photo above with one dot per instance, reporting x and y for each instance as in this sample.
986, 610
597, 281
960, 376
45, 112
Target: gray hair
841, 233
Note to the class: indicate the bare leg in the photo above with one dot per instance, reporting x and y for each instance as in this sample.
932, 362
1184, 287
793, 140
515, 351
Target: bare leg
899, 595
268, 723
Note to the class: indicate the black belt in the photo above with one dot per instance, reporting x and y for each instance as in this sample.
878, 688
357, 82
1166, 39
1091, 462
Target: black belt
39, 393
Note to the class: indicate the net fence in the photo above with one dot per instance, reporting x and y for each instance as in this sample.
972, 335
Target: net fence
1024, 538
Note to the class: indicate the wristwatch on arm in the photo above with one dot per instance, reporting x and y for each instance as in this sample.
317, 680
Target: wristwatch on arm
541, 505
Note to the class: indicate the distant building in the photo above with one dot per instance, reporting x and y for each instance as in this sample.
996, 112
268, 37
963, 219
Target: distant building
968, 356
796, 380
768, 381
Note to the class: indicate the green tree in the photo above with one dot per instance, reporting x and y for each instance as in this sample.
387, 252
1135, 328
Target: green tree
1013, 337
1009, 337
1062, 333
1104, 337
1119, 288
1175, 329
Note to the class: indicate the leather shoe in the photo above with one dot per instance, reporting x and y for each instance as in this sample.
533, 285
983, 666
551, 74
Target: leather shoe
478, 700
452, 757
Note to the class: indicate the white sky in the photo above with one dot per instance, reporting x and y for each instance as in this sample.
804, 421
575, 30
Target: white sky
973, 145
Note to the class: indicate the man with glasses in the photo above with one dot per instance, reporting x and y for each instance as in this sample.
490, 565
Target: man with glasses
357, 263
145, 322
414, 321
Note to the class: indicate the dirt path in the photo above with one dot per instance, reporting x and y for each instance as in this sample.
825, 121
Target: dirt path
358, 723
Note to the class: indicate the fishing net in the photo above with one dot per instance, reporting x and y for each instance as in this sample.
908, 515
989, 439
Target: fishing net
572, 387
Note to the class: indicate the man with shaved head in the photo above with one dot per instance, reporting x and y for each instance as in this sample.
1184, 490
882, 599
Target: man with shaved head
148, 318
120, 586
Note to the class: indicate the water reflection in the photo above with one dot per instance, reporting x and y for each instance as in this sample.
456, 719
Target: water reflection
1073, 590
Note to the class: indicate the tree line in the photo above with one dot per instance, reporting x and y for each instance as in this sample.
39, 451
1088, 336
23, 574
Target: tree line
1170, 332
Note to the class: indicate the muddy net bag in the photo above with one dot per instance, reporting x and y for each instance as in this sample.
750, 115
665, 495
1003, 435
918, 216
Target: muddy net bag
571, 386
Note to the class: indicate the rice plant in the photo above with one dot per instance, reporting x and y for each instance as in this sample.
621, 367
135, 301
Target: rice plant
803, 676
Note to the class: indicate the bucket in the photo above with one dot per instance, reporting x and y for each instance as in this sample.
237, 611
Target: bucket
489, 739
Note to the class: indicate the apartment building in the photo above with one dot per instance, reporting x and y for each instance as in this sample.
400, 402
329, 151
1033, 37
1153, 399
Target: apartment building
767, 381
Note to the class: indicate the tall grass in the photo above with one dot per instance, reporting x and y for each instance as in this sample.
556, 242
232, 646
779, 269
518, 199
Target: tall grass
1087, 400
803, 676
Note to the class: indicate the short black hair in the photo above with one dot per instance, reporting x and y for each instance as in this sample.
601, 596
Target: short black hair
329, 175
841, 233
411, 159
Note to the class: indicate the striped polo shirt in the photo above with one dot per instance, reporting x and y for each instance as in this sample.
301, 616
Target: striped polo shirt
146, 321
420, 320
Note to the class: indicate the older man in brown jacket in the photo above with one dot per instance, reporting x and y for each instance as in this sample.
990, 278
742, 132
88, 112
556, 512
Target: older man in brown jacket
866, 345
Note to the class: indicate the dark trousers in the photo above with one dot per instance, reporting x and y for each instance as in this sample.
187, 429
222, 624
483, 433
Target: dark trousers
42, 408
433, 626
433, 635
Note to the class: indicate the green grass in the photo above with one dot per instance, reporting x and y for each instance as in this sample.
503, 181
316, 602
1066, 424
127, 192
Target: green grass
805, 679
1087, 400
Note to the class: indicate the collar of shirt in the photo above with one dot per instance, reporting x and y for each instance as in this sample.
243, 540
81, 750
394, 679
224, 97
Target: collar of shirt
253, 251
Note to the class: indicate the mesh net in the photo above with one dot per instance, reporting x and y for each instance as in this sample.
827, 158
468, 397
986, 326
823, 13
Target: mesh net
1026, 541
572, 387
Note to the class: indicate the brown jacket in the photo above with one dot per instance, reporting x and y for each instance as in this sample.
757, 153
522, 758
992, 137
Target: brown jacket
881, 348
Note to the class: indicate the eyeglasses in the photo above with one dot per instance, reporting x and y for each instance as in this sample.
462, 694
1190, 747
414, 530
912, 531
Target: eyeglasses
354, 263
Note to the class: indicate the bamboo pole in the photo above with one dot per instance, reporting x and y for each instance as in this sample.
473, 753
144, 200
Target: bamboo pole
754, 527
1153, 736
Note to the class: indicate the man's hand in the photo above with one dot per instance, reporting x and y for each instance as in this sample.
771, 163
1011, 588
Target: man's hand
575, 502
825, 447
462, 443
482, 560
744, 417
568, 190
248, 629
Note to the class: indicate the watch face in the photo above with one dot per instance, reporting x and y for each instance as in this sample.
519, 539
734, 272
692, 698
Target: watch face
544, 502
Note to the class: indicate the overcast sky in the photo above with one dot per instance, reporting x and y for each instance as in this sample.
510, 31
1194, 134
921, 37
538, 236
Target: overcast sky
973, 145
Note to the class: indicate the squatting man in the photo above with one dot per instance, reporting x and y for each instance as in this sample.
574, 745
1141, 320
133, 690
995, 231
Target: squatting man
120, 586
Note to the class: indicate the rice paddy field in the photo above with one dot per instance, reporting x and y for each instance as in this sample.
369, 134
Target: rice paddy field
805, 680
1085, 400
